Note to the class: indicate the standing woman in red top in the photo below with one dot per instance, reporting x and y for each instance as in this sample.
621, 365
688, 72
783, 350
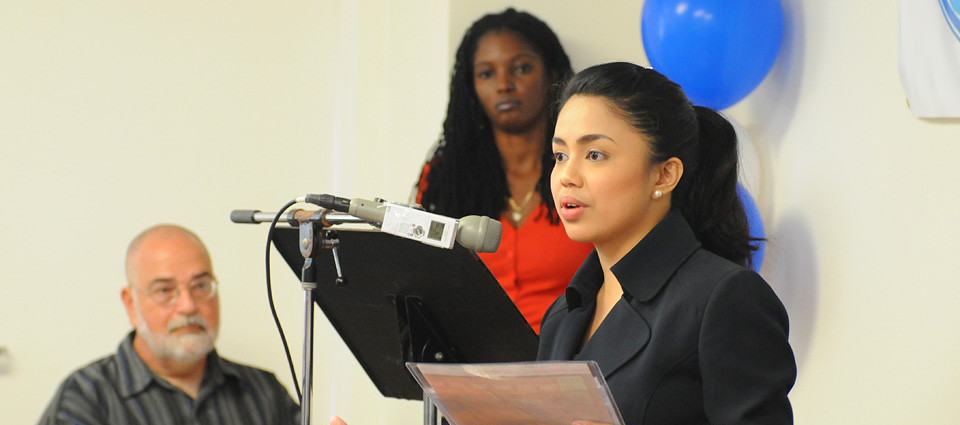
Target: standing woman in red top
494, 156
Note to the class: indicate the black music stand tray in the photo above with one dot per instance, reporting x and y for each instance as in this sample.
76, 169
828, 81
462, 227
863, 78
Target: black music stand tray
404, 301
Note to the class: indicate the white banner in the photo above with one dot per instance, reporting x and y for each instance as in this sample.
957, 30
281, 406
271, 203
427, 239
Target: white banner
929, 56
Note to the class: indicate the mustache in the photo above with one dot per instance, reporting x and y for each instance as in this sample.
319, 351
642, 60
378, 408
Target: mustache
193, 320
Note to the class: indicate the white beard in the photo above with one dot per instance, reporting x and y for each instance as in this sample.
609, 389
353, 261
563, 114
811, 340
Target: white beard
184, 348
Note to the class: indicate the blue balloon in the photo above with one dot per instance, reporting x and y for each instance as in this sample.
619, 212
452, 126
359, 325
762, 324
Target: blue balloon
756, 225
951, 11
717, 50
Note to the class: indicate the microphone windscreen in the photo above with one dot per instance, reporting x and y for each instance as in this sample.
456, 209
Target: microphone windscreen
479, 233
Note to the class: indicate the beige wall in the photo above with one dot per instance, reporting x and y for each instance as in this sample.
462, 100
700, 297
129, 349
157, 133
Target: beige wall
115, 116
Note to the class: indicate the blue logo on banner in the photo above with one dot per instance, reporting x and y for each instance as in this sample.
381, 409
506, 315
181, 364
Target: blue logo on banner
951, 11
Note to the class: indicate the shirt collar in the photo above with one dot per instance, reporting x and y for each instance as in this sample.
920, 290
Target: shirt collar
644, 270
134, 374
219, 370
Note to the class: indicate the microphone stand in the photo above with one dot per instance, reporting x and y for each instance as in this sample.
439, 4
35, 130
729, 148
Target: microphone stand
308, 285
309, 225
308, 280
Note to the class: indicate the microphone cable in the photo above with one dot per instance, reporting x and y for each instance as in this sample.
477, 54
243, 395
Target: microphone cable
273, 309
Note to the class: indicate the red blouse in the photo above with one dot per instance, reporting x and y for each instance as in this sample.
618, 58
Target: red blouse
534, 263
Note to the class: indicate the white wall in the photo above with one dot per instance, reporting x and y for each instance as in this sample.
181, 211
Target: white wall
115, 116
857, 197
118, 115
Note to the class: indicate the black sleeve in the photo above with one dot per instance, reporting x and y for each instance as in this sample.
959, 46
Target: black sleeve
746, 361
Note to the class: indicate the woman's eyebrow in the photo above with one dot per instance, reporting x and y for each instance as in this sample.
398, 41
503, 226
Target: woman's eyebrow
587, 138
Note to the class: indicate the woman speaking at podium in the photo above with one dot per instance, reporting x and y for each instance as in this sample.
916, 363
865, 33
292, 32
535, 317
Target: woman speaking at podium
493, 157
682, 330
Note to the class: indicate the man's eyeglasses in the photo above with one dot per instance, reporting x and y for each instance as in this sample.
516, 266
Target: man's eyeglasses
167, 294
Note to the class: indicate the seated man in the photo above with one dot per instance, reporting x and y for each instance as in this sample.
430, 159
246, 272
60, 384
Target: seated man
166, 371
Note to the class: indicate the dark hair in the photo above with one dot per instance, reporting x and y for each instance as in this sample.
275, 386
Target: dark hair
466, 171
703, 140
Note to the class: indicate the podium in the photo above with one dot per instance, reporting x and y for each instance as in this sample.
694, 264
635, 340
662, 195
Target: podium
403, 301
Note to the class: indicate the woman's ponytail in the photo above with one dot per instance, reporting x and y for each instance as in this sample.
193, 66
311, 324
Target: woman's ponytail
710, 202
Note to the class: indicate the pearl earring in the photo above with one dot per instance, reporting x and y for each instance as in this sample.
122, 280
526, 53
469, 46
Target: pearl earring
657, 194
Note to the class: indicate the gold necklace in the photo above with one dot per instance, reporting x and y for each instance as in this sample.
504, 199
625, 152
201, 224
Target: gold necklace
518, 209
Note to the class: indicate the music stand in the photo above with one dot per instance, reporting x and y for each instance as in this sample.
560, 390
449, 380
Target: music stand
406, 301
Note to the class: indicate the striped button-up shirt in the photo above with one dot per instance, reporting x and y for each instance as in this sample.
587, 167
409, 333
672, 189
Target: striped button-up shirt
121, 389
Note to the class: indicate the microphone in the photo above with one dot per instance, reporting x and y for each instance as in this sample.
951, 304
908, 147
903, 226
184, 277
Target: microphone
477, 233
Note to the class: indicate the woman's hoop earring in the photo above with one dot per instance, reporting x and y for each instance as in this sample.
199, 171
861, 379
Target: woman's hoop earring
657, 194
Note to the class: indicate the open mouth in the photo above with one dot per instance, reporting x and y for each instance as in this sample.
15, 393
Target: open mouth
570, 208
568, 202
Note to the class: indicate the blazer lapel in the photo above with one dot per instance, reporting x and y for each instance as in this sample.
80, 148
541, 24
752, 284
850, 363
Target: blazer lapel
576, 306
646, 269
570, 333
642, 273
621, 337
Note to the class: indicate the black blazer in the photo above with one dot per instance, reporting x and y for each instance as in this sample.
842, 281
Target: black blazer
696, 339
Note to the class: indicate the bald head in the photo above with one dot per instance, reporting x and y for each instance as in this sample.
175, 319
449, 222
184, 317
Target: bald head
159, 235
